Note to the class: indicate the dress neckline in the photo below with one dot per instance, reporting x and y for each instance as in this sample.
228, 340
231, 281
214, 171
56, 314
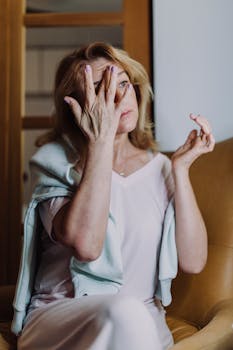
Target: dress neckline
137, 173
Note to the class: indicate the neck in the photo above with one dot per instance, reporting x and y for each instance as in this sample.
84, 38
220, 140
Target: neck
124, 151
122, 148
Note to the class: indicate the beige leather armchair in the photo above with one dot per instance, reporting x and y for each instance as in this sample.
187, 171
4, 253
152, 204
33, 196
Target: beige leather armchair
201, 314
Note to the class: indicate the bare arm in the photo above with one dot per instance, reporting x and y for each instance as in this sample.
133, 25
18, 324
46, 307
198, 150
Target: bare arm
191, 235
81, 224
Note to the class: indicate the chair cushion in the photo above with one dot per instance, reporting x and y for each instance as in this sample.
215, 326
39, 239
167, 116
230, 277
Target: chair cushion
180, 328
8, 340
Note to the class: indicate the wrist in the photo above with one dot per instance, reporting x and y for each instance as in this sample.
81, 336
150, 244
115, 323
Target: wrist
100, 151
100, 144
180, 172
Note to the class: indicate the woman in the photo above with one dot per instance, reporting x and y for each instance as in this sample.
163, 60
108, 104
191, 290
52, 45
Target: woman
104, 196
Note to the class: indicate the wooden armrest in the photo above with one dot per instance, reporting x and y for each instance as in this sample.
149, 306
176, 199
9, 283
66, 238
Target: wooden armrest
216, 335
6, 299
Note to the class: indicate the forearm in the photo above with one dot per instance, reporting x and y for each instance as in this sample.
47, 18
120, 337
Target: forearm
191, 236
84, 220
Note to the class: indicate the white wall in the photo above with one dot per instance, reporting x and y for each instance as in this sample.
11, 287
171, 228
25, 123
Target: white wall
193, 67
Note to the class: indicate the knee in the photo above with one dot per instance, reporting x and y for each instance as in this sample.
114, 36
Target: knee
125, 309
131, 324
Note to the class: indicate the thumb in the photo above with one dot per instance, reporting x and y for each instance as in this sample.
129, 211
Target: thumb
74, 106
191, 137
188, 142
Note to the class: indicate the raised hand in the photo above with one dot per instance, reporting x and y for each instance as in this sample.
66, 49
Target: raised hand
99, 118
197, 143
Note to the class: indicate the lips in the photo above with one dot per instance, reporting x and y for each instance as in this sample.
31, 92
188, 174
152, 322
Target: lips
125, 113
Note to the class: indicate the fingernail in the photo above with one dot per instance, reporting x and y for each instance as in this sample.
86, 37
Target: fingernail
113, 68
67, 100
88, 68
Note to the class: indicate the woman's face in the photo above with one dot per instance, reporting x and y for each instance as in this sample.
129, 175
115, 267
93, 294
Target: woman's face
129, 105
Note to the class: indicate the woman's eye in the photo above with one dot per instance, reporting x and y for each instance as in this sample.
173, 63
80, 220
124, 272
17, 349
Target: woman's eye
123, 83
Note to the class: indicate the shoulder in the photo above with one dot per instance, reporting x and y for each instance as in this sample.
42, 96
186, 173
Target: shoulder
164, 163
168, 175
53, 165
54, 152
165, 173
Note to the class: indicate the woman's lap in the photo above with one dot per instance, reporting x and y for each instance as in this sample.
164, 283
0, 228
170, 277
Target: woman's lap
108, 322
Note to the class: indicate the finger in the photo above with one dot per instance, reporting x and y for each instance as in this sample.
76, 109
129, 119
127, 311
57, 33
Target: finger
205, 143
204, 140
202, 122
127, 91
88, 123
75, 107
189, 141
112, 84
191, 137
89, 86
107, 77
104, 84
211, 142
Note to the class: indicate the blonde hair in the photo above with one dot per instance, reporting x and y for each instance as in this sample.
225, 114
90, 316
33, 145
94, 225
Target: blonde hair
69, 82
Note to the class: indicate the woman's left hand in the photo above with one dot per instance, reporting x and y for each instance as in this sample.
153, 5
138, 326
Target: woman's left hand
195, 145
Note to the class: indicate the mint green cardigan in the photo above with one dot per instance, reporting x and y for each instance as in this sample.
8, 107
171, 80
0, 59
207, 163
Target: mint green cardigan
54, 176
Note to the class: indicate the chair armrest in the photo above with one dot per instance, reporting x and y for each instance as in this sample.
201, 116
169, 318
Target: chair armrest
6, 299
216, 335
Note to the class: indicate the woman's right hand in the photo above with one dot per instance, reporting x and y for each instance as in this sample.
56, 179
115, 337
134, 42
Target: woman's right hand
100, 116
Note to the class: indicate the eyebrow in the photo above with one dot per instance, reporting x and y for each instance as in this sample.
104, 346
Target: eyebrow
99, 81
